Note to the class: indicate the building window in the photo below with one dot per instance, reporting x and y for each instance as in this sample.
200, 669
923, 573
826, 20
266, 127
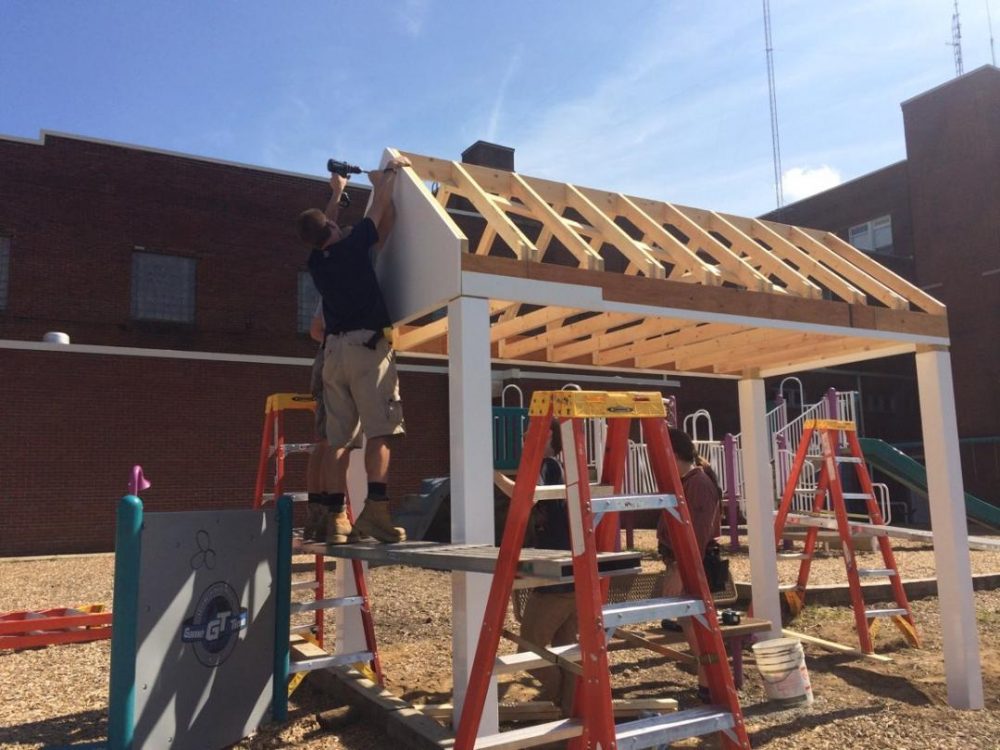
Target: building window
162, 287
873, 236
4, 270
308, 300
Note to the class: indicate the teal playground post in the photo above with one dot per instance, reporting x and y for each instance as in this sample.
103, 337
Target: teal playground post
282, 610
128, 546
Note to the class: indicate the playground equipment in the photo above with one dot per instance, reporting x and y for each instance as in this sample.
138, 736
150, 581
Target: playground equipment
593, 721
274, 446
829, 500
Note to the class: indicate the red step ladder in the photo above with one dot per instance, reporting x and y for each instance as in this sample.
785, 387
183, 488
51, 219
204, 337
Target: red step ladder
592, 725
830, 511
273, 446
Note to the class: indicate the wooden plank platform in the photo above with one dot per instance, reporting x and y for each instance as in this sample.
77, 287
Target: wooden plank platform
550, 564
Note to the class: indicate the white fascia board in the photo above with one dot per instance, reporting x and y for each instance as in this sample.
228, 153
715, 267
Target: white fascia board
538, 292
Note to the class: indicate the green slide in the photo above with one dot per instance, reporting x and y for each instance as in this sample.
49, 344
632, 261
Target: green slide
912, 474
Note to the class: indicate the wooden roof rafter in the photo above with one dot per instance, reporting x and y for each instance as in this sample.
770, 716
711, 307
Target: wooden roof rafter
690, 290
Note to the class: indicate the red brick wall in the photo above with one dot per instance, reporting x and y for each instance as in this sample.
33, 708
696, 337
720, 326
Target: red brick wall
74, 424
75, 210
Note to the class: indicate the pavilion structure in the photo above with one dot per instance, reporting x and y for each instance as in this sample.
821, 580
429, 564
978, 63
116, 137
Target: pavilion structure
488, 266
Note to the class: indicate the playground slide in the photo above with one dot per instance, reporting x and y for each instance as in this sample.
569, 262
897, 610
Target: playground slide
912, 474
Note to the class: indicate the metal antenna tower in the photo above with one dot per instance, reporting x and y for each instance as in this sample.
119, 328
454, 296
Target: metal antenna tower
989, 23
775, 140
956, 41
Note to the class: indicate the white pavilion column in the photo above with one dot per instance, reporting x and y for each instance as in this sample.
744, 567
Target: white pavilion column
470, 419
759, 490
350, 631
951, 536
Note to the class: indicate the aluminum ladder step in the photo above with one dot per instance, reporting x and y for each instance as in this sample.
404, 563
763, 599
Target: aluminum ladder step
301, 628
323, 662
848, 460
664, 729
794, 556
305, 585
857, 496
288, 449
869, 613
873, 572
343, 601
627, 503
539, 734
651, 610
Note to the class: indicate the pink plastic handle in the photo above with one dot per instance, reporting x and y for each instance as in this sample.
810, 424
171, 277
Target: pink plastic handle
137, 483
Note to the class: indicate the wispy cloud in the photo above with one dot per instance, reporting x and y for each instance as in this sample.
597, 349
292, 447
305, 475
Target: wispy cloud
411, 16
498, 102
801, 182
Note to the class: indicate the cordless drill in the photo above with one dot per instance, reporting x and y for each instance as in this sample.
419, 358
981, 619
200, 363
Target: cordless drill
344, 170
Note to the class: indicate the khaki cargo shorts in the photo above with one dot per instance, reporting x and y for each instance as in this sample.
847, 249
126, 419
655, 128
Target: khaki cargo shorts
360, 389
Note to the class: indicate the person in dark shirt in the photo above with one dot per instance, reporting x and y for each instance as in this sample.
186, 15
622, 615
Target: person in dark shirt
704, 501
360, 383
549, 616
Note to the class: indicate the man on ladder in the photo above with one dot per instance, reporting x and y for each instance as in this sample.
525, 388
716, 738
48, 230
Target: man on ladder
360, 383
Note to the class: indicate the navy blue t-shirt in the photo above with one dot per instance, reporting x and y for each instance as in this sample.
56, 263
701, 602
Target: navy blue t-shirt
345, 278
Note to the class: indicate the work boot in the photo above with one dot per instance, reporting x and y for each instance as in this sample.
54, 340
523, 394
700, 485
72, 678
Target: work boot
375, 520
315, 528
338, 528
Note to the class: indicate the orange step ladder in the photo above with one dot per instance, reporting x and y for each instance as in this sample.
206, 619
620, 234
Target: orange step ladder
592, 725
274, 446
829, 511
57, 625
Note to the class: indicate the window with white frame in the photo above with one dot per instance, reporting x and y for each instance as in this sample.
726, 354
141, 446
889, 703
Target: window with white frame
308, 299
873, 236
4, 270
163, 287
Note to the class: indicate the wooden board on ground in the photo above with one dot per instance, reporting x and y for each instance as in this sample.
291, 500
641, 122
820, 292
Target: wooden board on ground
833, 646
530, 711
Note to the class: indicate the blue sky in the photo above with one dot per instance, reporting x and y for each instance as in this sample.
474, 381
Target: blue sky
661, 99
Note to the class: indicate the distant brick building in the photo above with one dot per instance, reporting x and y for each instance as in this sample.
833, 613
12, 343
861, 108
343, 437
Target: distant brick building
934, 218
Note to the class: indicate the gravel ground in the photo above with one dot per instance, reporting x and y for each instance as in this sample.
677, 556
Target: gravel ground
59, 695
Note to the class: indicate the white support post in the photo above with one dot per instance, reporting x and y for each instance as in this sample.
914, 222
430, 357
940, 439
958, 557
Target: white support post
470, 417
350, 635
951, 537
759, 503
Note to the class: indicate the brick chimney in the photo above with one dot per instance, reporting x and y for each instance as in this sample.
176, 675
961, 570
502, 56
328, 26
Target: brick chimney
484, 154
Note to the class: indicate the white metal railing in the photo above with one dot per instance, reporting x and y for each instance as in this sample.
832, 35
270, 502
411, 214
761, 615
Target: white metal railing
638, 473
882, 498
691, 422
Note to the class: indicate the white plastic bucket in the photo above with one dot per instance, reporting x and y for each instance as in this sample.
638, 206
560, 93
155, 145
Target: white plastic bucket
782, 666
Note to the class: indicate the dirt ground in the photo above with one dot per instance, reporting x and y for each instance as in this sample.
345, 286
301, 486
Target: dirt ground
58, 696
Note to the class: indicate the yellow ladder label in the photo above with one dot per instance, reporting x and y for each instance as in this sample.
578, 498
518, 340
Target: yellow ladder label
609, 404
829, 424
280, 401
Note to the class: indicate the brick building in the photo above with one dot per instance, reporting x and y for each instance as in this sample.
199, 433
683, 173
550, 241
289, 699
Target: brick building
934, 219
184, 292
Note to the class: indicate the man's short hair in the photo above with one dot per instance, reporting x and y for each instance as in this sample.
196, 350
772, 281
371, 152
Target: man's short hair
311, 227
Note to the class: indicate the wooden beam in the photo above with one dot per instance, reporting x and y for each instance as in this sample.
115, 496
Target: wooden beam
651, 352
627, 246
731, 264
722, 347
812, 353
808, 265
744, 345
486, 241
608, 340
555, 224
678, 253
536, 319
417, 335
899, 285
840, 648
763, 258
523, 248
600, 322
849, 271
